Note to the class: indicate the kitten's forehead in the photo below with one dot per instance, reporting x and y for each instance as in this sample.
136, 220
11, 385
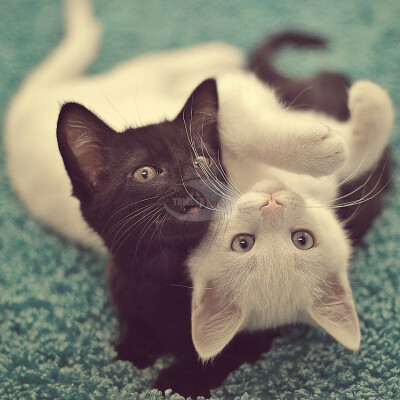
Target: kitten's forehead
159, 141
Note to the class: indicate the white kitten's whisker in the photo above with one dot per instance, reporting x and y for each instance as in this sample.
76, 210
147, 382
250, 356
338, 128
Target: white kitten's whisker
227, 179
355, 171
191, 142
228, 188
367, 196
204, 170
218, 191
201, 205
289, 106
318, 278
359, 187
194, 199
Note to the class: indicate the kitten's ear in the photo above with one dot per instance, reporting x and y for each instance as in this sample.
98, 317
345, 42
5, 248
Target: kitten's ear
84, 141
333, 310
200, 112
215, 319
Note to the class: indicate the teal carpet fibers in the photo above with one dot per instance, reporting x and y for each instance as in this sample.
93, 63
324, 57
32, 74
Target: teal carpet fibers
57, 326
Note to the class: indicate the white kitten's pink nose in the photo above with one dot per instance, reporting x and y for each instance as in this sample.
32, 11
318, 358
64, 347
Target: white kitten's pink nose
271, 205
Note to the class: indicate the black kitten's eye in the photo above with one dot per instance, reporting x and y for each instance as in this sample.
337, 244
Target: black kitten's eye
201, 162
144, 174
243, 243
303, 240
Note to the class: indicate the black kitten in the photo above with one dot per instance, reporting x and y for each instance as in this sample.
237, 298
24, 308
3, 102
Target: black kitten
142, 190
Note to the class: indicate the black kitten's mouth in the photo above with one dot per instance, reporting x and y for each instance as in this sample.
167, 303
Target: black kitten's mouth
192, 210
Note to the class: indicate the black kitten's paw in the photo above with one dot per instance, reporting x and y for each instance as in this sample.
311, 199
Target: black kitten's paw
137, 356
185, 380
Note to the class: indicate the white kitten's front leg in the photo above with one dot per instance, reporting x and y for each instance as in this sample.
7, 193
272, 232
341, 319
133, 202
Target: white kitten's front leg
287, 140
368, 131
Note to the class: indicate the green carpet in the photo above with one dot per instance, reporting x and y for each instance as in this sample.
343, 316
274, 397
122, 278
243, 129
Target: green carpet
57, 326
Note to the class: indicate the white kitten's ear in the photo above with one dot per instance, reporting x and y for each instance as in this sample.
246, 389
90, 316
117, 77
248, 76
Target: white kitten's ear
215, 320
84, 141
333, 310
200, 112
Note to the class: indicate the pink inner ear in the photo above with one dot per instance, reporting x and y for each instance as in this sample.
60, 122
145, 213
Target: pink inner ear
215, 320
334, 311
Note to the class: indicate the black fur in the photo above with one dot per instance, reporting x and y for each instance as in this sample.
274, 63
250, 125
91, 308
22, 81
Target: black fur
325, 92
147, 277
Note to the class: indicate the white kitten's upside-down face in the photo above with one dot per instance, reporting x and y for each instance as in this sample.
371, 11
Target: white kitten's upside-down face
277, 258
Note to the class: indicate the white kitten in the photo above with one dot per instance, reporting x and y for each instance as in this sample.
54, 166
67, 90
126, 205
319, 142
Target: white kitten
280, 255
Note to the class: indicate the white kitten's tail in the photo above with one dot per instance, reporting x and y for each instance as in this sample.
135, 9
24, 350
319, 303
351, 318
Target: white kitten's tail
75, 52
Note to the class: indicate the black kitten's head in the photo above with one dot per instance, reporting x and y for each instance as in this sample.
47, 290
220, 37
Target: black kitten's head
155, 181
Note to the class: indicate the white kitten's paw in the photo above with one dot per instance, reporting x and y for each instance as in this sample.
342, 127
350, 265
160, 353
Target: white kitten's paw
321, 150
371, 110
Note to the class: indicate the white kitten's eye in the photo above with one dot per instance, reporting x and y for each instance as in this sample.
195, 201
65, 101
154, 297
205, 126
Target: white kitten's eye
243, 243
303, 240
144, 174
201, 161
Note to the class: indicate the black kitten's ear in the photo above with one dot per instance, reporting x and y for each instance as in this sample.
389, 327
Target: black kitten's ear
200, 112
84, 141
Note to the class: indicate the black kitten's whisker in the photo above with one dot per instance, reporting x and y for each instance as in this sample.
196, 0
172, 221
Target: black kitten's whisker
152, 236
118, 236
123, 221
136, 225
146, 227
124, 208
120, 224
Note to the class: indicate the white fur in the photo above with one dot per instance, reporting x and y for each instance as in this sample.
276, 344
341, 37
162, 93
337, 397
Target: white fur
275, 283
